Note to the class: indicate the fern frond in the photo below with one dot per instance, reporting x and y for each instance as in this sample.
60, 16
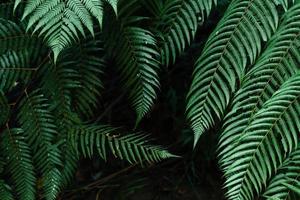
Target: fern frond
271, 135
70, 162
19, 163
136, 57
278, 62
14, 67
62, 22
5, 191
113, 4
176, 23
40, 129
58, 80
52, 183
235, 42
36, 120
294, 187
14, 38
132, 147
89, 65
288, 173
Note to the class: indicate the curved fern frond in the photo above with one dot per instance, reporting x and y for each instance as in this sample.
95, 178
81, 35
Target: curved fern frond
40, 130
236, 40
278, 62
5, 191
60, 21
136, 57
58, 80
19, 163
273, 133
52, 183
70, 163
132, 147
288, 173
36, 120
89, 65
14, 67
294, 187
176, 23
14, 38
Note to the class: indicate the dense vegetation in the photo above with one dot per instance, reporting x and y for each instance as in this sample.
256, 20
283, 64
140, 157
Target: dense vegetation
72, 72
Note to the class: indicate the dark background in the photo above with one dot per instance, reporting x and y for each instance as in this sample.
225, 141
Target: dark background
193, 176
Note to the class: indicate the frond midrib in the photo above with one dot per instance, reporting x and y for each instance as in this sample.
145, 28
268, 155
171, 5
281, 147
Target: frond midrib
250, 161
218, 64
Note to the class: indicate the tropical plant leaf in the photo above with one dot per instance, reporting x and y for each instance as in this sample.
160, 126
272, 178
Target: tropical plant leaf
14, 68
271, 135
89, 65
136, 56
40, 129
14, 38
131, 147
62, 22
176, 22
278, 62
5, 191
235, 42
295, 188
19, 163
288, 173
70, 163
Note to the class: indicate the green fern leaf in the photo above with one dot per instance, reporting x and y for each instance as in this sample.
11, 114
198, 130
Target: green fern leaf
14, 68
278, 62
224, 59
19, 163
295, 187
176, 22
36, 120
89, 64
132, 147
52, 182
272, 134
14, 38
40, 130
288, 173
136, 57
70, 163
113, 4
58, 80
60, 22
5, 191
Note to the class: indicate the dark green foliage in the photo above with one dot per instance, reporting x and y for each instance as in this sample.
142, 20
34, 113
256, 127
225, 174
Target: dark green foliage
18, 158
131, 147
176, 22
44, 97
55, 54
239, 33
